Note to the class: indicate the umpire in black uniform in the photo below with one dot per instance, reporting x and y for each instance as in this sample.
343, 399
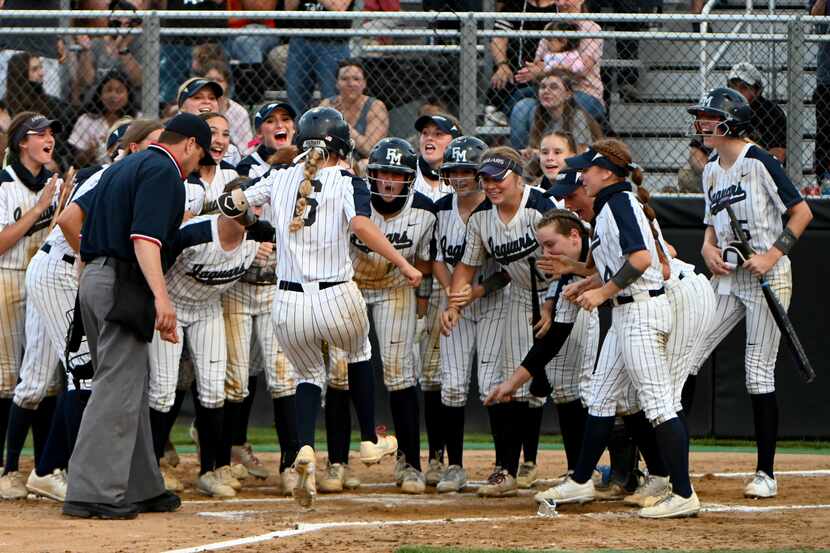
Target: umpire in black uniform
132, 217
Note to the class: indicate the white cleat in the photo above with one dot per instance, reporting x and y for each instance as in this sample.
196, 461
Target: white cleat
289, 479
52, 486
372, 453
454, 480
568, 491
761, 486
673, 506
306, 489
13, 486
210, 484
652, 490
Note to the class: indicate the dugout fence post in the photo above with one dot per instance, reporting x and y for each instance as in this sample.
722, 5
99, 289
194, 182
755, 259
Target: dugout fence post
150, 63
795, 100
468, 74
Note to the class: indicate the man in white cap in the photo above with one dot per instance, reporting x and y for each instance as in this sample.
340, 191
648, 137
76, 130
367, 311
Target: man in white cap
769, 124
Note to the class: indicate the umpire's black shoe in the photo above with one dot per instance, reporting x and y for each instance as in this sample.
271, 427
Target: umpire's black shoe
164, 503
82, 509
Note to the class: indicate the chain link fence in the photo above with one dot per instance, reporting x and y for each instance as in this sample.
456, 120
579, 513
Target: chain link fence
508, 77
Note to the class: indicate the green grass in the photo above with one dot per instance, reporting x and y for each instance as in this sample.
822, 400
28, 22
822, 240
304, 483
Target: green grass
429, 549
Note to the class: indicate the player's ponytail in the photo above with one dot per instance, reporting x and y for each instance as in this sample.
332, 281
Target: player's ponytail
619, 153
283, 156
312, 162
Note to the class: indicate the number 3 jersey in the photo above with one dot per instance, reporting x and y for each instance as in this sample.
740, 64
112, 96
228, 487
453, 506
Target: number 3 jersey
319, 251
759, 192
410, 231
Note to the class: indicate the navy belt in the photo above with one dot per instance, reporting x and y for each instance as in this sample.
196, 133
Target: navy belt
622, 300
297, 287
67, 258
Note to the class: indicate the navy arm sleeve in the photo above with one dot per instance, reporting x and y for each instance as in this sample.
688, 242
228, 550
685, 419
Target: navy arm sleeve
546, 348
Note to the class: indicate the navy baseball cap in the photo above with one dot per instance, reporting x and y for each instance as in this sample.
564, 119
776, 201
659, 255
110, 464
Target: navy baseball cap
192, 126
591, 157
564, 184
445, 124
266, 110
36, 124
194, 85
497, 167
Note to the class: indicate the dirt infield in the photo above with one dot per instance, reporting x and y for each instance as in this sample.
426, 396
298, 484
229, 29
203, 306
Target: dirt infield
798, 518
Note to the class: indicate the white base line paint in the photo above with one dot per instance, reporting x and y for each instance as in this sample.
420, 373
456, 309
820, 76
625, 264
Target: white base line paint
303, 528
818, 473
307, 528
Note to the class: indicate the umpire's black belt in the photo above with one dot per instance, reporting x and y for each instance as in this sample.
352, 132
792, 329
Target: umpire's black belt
622, 300
310, 287
67, 258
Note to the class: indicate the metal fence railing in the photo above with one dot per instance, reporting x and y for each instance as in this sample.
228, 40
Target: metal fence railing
626, 75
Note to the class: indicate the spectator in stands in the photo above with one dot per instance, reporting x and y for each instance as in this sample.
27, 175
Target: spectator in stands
531, 64
821, 96
25, 92
313, 60
113, 99
690, 176
98, 56
367, 116
236, 115
556, 109
176, 50
252, 49
769, 124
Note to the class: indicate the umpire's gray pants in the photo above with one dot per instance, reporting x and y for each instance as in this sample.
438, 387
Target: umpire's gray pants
113, 461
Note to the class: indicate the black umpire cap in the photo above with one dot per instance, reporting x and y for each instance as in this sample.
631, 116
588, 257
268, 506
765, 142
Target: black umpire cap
191, 126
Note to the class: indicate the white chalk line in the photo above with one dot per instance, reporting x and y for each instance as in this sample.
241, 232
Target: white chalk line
303, 528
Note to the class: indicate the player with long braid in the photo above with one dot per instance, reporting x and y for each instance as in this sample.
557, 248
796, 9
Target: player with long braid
252, 345
630, 263
316, 206
742, 175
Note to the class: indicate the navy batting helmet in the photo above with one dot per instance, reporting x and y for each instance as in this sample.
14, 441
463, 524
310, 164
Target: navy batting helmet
323, 127
395, 155
463, 152
729, 106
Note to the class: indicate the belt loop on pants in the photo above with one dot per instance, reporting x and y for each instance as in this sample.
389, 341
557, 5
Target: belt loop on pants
639, 296
66, 258
306, 286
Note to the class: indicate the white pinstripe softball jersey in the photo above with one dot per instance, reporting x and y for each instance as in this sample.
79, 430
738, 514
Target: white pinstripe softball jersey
621, 227
202, 272
410, 231
759, 192
56, 238
510, 244
15, 200
423, 186
224, 174
451, 238
319, 251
